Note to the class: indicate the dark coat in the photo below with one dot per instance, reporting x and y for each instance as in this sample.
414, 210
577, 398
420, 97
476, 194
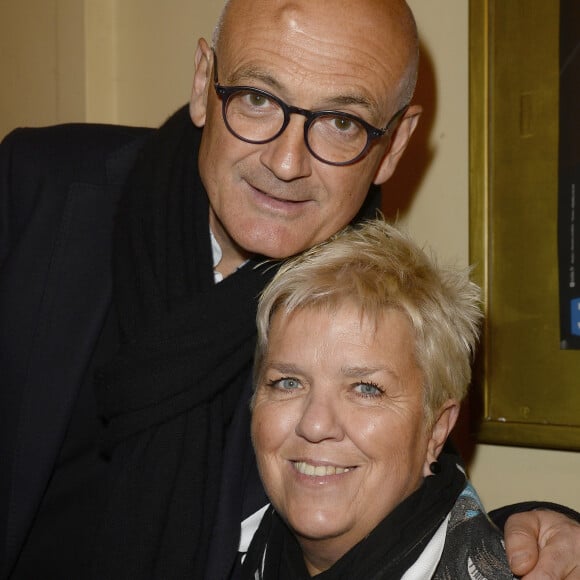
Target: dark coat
58, 196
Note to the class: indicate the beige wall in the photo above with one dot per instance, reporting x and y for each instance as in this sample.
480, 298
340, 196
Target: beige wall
131, 61
126, 61
42, 62
439, 214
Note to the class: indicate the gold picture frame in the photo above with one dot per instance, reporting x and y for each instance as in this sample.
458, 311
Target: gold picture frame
530, 389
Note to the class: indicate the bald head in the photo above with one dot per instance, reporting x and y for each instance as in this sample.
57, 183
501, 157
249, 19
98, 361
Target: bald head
386, 27
355, 61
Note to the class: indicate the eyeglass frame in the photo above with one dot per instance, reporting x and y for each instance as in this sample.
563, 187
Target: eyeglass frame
373, 133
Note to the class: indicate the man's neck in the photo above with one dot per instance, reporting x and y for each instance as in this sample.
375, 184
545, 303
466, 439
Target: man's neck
232, 256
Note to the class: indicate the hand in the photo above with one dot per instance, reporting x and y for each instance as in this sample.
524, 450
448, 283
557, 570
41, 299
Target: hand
543, 545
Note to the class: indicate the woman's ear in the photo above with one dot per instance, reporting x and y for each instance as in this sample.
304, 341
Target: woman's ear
442, 427
399, 141
201, 82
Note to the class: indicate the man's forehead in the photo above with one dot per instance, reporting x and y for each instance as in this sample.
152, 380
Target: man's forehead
362, 16
279, 80
355, 55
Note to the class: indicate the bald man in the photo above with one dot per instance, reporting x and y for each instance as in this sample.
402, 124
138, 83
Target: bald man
124, 419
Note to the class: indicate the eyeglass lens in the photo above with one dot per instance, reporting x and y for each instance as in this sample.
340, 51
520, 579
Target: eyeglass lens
254, 117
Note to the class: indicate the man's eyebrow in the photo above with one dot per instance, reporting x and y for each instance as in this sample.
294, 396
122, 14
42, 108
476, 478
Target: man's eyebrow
358, 100
248, 75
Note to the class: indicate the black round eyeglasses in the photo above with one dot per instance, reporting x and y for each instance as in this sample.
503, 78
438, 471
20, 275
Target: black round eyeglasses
334, 137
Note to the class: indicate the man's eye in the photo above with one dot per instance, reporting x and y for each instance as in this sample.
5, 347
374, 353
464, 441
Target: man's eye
368, 389
257, 100
342, 123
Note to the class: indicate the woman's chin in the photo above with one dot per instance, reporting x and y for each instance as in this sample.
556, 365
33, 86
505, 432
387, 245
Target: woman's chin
319, 526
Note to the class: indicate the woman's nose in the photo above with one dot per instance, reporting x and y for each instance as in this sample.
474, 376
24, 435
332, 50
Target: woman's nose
321, 419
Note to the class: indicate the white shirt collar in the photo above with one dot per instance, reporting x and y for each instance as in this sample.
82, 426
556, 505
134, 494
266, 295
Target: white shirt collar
217, 257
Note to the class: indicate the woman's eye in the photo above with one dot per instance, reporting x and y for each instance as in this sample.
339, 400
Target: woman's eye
285, 384
368, 389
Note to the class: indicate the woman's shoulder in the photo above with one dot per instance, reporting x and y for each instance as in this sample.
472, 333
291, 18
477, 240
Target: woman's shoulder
474, 546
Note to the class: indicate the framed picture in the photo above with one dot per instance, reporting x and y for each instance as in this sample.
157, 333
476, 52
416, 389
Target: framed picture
524, 234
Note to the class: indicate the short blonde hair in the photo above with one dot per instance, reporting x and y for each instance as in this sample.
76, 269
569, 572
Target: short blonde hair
376, 266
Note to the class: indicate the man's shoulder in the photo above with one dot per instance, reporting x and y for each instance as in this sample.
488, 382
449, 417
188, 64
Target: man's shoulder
73, 148
39, 166
98, 134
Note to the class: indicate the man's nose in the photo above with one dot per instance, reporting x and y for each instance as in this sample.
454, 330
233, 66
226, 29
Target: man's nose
320, 419
287, 156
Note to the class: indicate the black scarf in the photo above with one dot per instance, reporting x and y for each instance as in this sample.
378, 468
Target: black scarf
187, 348
385, 554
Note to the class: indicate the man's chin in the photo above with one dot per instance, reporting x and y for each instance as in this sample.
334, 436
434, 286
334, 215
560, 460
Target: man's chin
278, 250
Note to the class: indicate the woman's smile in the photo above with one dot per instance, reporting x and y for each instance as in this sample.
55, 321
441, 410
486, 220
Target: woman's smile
319, 470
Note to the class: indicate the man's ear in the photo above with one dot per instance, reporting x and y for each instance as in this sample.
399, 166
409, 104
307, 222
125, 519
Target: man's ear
399, 142
444, 422
201, 83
